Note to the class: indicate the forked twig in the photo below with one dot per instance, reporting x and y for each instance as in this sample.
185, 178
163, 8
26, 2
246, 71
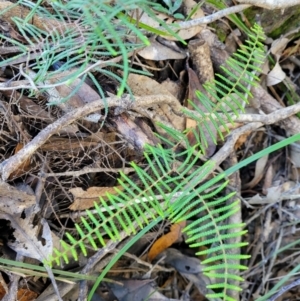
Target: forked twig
285, 289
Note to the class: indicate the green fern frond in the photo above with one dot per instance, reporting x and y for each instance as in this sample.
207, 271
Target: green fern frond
79, 34
172, 187
230, 90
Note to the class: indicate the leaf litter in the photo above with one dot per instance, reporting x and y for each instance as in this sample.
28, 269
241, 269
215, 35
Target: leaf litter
82, 161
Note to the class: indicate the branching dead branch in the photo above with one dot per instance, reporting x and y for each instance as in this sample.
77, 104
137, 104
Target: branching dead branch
11, 164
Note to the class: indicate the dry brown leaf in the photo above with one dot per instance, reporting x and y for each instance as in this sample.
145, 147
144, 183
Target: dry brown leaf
141, 85
278, 46
242, 139
132, 132
188, 33
85, 199
159, 52
185, 34
22, 295
7, 29
175, 88
26, 295
84, 94
10, 10
166, 240
290, 185
14, 200
30, 107
195, 85
295, 49
273, 195
276, 75
268, 179
259, 172
2, 291
29, 241
64, 144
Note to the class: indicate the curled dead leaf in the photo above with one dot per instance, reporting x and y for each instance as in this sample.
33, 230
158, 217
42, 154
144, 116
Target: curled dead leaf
166, 240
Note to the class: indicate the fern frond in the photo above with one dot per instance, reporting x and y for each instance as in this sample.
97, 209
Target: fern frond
230, 90
78, 34
172, 187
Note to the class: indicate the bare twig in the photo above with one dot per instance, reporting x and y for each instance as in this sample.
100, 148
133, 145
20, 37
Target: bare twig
86, 170
32, 84
271, 4
227, 148
26, 84
92, 261
285, 289
14, 162
213, 17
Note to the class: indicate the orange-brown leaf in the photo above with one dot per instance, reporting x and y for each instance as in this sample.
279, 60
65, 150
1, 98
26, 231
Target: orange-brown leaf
166, 240
22, 295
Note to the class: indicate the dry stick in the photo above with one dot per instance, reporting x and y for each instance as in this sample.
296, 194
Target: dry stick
276, 113
213, 17
273, 258
285, 289
227, 148
14, 162
86, 170
92, 261
25, 84
269, 105
271, 4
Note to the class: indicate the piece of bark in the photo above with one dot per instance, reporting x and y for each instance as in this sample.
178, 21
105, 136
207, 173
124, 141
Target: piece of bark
200, 56
132, 132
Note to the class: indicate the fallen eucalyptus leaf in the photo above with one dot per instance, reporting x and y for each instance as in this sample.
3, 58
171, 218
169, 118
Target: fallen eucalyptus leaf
158, 52
276, 76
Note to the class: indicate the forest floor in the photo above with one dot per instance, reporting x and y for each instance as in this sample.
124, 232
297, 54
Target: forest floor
66, 139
